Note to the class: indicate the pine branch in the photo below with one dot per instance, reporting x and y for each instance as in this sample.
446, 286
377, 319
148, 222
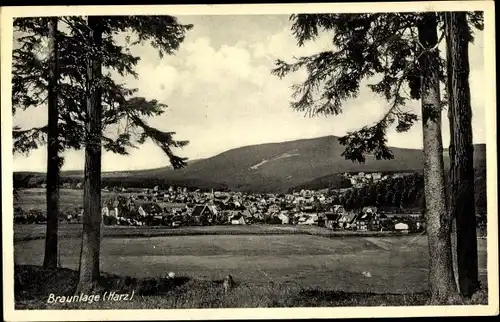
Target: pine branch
27, 140
164, 140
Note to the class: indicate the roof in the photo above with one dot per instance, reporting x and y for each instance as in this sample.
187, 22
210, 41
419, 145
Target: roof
246, 213
364, 216
370, 209
212, 209
351, 216
197, 210
337, 208
330, 216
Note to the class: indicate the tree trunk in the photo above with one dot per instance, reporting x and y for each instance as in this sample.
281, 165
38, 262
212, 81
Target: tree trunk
451, 154
91, 235
441, 279
462, 200
53, 169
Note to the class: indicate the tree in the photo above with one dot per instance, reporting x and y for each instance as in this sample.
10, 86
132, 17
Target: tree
441, 278
118, 107
91, 234
461, 150
402, 48
53, 164
35, 82
99, 28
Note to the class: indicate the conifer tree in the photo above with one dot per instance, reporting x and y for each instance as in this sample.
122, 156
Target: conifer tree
118, 104
401, 48
461, 150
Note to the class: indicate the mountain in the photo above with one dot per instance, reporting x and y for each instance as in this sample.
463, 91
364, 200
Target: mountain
337, 180
271, 167
275, 167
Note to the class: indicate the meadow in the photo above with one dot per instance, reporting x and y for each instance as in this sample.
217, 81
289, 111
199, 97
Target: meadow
273, 270
34, 198
273, 265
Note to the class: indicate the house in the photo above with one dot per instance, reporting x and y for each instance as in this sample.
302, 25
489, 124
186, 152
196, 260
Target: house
363, 222
176, 221
311, 220
285, 220
302, 220
238, 220
151, 208
273, 209
258, 216
401, 226
154, 220
246, 213
385, 222
369, 210
298, 200
347, 219
331, 220
308, 208
374, 224
338, 209
204, 214
141, 211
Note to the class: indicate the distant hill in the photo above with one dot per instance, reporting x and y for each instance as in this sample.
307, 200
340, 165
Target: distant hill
336, 180
272, 167
278, 166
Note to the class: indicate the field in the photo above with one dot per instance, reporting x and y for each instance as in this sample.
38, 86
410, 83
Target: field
396, 264
273, 265
70, 199
37, 231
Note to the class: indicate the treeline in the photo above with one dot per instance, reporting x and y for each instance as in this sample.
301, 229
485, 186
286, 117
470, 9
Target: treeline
334, 181
151, 182
400, 194
393, 193
25, 180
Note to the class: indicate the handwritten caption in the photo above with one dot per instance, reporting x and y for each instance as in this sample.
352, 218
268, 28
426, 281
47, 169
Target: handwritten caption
85, 298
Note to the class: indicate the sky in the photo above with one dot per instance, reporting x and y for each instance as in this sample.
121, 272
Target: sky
221, 95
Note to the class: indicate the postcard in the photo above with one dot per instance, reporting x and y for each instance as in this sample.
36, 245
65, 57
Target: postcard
249, 161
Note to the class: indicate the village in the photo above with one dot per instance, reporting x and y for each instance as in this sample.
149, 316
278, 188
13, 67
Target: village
177, 206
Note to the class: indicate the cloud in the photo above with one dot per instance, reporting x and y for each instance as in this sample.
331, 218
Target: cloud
221, 95
224, 67
283, 45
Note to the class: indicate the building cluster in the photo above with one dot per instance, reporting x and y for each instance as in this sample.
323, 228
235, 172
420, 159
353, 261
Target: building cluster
175, 207
179, 206
359, 179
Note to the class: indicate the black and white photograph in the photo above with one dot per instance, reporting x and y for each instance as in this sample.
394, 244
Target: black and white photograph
321, 157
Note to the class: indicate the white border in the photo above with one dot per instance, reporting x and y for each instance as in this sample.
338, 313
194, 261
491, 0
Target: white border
7, 14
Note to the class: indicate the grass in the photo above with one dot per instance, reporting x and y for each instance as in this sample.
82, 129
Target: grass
287, 270
396, 264
37, 231
34, 198
34, 285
